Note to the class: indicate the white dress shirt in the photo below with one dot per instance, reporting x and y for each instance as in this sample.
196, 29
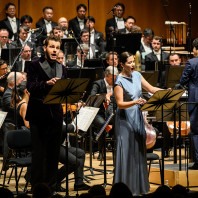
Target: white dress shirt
81, 23
92, 36
147, 48
120, 23
48, 26
109, 87
158, 54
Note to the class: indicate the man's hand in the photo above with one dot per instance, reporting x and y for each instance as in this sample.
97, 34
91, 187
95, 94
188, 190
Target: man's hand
52, 81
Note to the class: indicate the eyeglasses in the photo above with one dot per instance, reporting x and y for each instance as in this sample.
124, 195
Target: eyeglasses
4, 37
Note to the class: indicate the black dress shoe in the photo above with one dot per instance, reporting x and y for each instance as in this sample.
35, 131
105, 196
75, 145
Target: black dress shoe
81, 187
194, 167
60, 189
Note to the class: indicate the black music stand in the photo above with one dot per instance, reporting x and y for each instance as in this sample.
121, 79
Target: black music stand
173, 75
66, 91
93, 101
160, 101
104, 153
127, 42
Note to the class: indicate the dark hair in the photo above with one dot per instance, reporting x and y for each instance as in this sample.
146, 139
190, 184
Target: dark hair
120, 190
56, 28
2, 62
148, 32
97, 190
81, 6
83, 31
158, 38
4, 192
124, 56
52, 38
47, 7
8, 5
121, 5
195, 43
20, 88
90, 18
131, 17
174, 54
26, 17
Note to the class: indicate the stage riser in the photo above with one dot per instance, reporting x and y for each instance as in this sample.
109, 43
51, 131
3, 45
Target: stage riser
174, 177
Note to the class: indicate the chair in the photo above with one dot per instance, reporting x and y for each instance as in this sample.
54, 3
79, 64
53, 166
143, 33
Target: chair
19, 142
151, 157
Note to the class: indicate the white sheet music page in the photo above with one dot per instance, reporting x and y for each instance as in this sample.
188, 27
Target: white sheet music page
85, 117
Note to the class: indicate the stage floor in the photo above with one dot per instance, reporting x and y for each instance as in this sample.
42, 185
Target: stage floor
98, 177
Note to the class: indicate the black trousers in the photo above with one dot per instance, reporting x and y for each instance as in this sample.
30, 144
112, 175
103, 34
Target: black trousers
76, 159
45, 152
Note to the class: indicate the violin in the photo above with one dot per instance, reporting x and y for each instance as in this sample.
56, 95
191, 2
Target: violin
150, 132
69, 108
185, 127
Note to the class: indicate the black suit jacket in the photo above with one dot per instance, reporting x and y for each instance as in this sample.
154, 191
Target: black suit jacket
151, 58
74, 25
5, 24
38, 73
43, 36
99, 40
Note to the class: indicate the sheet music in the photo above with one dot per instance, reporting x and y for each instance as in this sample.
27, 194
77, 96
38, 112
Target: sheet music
2, 117
85, 117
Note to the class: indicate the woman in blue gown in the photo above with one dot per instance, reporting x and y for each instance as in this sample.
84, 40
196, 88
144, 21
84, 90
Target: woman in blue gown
131, 167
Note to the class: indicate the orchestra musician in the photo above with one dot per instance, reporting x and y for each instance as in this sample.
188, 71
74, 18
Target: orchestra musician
131, 166
190, 79
45, 119
100, 87
3, 78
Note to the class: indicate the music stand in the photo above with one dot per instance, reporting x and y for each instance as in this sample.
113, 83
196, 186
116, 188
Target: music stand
93, 101
173, 75
66, 91
9, 54
160, 101
127, 42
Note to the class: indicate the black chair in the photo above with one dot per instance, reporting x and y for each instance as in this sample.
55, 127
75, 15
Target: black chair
150, 158
19, 142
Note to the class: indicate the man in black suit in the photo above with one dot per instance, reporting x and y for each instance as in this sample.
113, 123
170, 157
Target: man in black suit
82, 53
11, 23
94, 50
27, 20
45, 120
46, 24
129, 23
23, 34
103, 86
4, 34
63, 23
118, 21
25, 56
96, 38
156, 55
78, 23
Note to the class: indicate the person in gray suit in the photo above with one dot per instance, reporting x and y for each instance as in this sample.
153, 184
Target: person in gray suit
190, 79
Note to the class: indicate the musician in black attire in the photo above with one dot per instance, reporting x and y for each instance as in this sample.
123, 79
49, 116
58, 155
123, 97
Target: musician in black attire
103, 86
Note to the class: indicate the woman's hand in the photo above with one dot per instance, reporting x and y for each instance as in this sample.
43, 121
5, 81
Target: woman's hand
140, 101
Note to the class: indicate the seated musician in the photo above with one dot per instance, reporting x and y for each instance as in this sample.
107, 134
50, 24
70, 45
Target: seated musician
94, 50
22, 98
82, 51
76, 160
3, 77
174, 59
100, 87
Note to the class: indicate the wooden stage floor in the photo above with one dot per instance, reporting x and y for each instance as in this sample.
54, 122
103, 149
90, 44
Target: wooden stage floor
96, 178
